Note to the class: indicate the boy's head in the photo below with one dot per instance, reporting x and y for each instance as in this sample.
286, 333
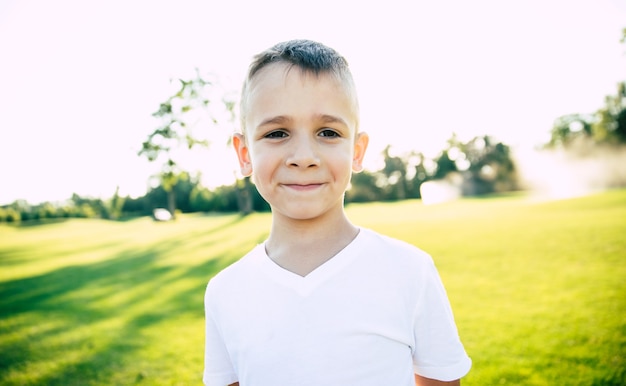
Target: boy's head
312, 58
300, 141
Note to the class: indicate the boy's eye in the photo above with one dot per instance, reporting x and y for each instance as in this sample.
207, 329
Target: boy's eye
276, 134
329, 133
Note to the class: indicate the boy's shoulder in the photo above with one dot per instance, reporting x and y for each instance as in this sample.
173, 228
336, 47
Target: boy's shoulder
241, 268
395, 255
394, 248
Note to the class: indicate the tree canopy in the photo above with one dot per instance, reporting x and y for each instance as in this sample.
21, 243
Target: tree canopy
187, 120
606, 126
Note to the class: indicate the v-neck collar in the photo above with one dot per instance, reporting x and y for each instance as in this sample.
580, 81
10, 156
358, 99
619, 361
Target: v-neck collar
305, 285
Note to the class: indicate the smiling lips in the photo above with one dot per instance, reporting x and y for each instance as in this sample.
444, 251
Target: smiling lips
303, 187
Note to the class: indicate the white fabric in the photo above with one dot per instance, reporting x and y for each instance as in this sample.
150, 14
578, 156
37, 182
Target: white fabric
372, 315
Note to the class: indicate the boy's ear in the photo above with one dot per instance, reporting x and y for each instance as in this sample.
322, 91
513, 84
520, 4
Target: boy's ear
241, 148
360, 146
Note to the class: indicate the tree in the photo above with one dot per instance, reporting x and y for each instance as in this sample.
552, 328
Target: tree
484, 164
244, 191
569, 128
491, 168
610, 123
115, 205
185, 120
394, 172
363, 188
606, 126
417, 174
445, 165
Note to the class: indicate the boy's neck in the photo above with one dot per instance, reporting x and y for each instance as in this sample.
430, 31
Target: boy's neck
303, 246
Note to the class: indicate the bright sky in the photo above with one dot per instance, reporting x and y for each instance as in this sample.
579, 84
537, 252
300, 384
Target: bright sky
79, 80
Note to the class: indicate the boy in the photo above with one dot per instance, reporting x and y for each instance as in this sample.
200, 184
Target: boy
321, 302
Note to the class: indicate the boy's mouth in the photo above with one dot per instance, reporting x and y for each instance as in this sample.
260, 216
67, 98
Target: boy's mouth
303, 187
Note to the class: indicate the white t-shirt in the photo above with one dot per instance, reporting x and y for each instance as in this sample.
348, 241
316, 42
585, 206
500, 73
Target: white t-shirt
372, 315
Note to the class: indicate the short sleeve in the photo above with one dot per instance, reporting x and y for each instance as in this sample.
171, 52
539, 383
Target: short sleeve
439, 353
218, 368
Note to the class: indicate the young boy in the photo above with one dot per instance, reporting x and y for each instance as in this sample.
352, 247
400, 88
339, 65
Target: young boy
321, 302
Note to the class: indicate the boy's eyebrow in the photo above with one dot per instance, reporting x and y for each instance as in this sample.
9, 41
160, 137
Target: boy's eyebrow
325, 118
284, 119
277, 120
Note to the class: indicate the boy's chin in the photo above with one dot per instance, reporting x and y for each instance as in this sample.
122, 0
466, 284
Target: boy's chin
303, 214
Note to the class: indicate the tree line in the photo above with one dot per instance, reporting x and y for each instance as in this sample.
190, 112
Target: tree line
486, 166
607, 126
483, 165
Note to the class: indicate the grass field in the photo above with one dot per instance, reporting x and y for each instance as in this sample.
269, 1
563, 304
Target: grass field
538, 289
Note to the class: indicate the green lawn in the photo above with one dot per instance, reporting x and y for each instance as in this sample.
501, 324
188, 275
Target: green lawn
538, 289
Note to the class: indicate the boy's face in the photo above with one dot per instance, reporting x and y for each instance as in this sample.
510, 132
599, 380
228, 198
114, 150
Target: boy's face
300, 142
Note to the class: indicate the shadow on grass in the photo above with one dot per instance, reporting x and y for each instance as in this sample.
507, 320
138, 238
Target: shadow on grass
36, 223
94, 315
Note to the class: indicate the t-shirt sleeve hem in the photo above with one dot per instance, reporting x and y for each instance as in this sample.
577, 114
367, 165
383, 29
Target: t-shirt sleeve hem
445, 373
224, 379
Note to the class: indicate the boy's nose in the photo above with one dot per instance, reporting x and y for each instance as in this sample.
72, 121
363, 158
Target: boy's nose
303, 154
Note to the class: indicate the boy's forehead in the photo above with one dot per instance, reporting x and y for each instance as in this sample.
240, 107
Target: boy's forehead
276, 75
280, 72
